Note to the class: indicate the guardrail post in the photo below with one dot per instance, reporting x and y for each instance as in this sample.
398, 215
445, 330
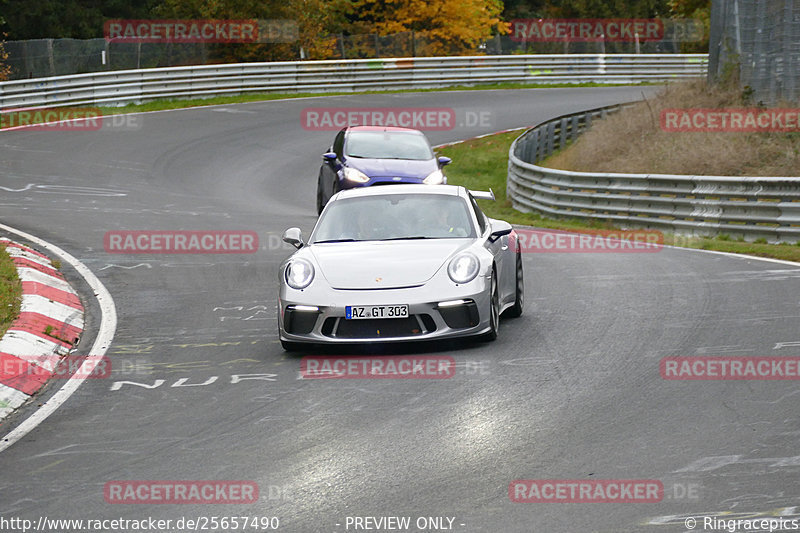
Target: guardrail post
576, 127
562, 143
549, 140
533, 145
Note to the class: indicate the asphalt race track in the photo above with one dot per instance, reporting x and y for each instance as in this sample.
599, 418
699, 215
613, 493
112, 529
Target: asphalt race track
571, 390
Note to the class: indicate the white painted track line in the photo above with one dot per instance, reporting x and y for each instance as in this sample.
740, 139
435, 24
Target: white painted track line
105, 334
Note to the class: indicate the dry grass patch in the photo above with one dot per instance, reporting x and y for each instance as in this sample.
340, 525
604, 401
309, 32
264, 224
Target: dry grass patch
632, 141
10, 291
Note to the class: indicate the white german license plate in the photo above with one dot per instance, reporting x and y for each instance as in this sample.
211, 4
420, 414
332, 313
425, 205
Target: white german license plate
360, 312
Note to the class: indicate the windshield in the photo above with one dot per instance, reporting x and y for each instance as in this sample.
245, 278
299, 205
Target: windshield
388, 145
395, 216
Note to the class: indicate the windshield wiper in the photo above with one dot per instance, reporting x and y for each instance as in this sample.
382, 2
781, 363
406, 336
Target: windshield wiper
415, 237
336, 240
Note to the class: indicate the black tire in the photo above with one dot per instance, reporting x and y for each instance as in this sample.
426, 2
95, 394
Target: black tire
519, 297
494, 311
320, 203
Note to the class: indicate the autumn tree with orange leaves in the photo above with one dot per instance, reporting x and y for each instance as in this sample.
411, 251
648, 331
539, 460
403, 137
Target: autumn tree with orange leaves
694, 9
5, 70
450, 27
314, 18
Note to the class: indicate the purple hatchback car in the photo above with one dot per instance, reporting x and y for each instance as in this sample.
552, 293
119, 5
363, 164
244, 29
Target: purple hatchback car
375, 155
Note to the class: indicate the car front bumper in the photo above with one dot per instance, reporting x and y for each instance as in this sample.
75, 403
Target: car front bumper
309, 316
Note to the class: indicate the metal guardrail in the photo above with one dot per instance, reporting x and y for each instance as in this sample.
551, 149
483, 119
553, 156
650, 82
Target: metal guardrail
750, 207
116, 88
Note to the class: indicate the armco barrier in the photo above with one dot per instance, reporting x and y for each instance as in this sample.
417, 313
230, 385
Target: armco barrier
116, 88
749, 207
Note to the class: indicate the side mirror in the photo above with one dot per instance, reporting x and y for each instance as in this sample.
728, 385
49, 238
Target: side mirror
500, 228
329, 157
294, 237
443, 161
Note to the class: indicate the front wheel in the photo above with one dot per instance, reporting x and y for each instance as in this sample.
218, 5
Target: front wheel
519, 297
494, 311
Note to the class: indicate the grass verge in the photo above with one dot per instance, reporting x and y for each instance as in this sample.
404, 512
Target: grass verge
10, 291
483, 163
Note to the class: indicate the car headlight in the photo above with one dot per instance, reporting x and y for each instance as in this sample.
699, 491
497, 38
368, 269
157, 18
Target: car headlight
434, 178
299, 274
463, 268
356, 175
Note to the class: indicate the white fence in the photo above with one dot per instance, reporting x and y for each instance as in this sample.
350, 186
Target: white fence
750, 207
117, 88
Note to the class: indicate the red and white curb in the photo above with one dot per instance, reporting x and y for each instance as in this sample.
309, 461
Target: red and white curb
50, 323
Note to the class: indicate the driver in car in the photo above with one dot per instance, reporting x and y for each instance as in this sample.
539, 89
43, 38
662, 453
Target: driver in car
442, 223
370, 226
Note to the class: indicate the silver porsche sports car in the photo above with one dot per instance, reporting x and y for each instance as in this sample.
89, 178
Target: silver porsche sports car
399, 263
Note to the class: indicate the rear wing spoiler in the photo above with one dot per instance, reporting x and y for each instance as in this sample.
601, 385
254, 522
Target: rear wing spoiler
483, 195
